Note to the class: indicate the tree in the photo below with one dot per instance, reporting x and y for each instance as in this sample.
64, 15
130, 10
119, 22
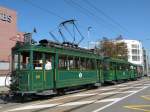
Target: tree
113, 49
121, 50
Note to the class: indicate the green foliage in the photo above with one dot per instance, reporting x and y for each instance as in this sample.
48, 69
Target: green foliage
113, 49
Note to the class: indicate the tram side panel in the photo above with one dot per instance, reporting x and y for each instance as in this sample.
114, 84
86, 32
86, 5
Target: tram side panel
109, 71
75, 71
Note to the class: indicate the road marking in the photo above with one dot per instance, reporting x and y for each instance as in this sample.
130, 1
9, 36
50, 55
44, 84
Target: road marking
147, 84
83, 95
77, 103
61, 105
139, 107
133, 87
99, 109
107, 93
128, 92
140, 87
108, 100
122, 85
147, 97
78, 94
125, 88
107, 88
32, 107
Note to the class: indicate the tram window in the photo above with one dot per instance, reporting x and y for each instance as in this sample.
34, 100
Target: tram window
62, 62
112, 66
70, 63
48, 62
37, 60
131, 67
82, 64
90, 64
76, 63
24, 61
106, 65
119, 67
93, 65
15, 61
127, 67
99, 64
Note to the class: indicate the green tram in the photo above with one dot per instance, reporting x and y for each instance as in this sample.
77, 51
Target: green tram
117, 70
70, 66
138, 70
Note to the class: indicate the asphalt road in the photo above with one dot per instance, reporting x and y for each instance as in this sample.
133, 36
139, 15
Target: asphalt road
132, 96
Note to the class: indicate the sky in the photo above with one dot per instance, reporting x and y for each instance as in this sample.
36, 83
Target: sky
106, 18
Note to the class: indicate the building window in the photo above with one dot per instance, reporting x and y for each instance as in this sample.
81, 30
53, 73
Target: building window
134, 46
138, 58
135, 51
134, 58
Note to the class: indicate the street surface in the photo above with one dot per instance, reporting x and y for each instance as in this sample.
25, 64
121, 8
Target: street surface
132, 96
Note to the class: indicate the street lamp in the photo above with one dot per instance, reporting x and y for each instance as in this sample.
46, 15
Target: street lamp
88, 34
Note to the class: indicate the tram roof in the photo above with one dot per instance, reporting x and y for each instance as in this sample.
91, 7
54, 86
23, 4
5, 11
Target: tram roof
116, 60
54, 48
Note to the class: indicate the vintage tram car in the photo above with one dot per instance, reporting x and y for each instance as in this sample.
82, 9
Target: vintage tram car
71, 66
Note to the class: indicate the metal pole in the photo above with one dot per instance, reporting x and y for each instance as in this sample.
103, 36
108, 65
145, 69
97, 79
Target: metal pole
147, 62
88, 35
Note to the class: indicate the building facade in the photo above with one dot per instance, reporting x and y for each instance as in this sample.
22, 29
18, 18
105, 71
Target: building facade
146, 62
135, 51
9, 34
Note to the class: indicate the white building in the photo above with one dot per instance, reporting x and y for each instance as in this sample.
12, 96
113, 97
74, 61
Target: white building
135, 51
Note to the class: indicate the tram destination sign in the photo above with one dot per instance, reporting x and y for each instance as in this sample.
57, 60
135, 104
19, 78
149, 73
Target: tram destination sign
5, 17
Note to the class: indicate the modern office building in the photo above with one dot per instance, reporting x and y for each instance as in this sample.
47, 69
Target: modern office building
135, 51
9, 34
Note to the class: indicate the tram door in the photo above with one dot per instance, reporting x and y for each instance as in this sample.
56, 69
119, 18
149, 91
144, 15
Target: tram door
42, 78
49, 71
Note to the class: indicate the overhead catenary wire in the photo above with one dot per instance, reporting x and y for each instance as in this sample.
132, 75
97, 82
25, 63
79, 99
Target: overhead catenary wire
89, 13
44, 9
107, 16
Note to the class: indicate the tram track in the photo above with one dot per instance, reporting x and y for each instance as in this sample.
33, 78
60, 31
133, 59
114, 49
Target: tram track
77, 99
99, 99
81, 106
